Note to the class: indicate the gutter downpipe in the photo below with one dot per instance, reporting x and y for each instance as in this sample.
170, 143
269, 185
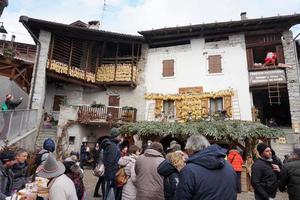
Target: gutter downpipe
37, 58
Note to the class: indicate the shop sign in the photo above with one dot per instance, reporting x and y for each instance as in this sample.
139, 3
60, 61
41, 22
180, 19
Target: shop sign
265, 77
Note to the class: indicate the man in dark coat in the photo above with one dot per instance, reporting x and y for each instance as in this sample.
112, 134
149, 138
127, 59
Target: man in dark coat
20, 169
7, 160
111, 156
206, 175
264, 174
290, 177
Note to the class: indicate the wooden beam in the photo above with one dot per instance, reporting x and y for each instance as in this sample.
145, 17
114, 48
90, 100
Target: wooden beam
116, 61
5, 67
20, 74
132, 61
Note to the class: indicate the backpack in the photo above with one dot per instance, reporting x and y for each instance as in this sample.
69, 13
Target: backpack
121, 177
38, 159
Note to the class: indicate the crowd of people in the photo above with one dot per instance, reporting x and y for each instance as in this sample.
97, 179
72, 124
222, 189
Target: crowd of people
199, 171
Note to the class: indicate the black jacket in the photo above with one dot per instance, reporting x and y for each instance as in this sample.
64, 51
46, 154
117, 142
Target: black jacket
111, 156
6, 182
20, 174
207, 176
171, 178
290, 178
11, 105
264, 179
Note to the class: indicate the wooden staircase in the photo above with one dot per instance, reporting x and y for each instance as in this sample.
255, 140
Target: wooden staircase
236, 112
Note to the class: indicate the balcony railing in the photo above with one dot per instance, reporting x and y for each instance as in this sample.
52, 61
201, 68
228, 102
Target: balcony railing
88, 114
15, 123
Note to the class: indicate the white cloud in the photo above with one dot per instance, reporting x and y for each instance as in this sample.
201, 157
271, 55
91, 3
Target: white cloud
121, 16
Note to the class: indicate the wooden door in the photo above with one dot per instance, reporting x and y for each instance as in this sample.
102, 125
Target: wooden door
113, 111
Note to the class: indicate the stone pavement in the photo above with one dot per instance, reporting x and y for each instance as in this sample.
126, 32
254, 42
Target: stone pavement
90, 181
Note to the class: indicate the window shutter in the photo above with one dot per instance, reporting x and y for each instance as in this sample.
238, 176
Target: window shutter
168, 68
280, 55
214, 64
250, 59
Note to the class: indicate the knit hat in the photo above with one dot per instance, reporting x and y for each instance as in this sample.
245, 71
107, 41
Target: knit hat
49, 145
7, 156
114, 132
51, 168
261, 147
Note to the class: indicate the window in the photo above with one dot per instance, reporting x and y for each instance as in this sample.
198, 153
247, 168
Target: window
214, 64
58, 100
168, 108
168, 68
71, 140
216, 105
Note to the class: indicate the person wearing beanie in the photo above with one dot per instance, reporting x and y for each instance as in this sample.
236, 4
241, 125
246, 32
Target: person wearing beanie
48, 147
290, 176
264, 176
111, 156
7, 160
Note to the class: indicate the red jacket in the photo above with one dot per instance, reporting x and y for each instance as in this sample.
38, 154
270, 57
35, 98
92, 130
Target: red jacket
236, 160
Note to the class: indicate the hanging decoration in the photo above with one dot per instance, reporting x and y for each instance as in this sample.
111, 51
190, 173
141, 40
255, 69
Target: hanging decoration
119, 72
191, 106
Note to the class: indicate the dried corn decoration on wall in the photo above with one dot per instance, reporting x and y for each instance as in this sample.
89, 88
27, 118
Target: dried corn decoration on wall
77, 73
106, 73
58, 67
123, 72
192, 105
158, 107
90, 77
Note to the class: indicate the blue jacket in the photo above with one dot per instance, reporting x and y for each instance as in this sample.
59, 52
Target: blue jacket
207, 176
171, 178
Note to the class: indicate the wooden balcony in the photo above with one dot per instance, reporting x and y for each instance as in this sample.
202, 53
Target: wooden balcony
109, 114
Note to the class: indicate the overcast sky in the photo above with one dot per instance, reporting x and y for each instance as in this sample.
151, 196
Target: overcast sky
130, 16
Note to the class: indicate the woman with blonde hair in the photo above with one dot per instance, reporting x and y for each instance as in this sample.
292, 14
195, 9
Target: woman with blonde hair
170, 169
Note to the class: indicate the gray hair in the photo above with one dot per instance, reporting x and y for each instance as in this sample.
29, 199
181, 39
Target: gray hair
196, 143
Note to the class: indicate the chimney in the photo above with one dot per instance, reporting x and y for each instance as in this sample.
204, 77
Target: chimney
94, 25
13, 38
243, 15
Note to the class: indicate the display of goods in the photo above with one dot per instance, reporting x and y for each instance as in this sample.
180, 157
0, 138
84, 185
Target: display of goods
58, 67
74, 72
77, 73
122, 72
90, 77
192, 106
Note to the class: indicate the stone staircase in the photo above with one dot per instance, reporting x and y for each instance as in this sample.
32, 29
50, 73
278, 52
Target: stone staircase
44, 134
291, 141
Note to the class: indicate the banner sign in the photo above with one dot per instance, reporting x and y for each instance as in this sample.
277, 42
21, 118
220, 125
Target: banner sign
263, 77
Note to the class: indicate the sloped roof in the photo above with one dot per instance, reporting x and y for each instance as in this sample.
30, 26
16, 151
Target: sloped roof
279, 23
35, 25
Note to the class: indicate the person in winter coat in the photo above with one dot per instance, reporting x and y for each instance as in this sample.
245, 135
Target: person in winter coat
48, 147
206, 174
9, 104
111, 156
128, 162
101, 178
276, 160
236, 160
170, 169
7, 160
264, 174
60, 185
20, 169
149, 182
290, 177
74, 172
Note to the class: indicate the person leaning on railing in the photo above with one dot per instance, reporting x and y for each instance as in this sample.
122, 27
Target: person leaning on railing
9, 103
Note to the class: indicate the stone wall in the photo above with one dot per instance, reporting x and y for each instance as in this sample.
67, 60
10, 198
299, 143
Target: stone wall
292, 79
